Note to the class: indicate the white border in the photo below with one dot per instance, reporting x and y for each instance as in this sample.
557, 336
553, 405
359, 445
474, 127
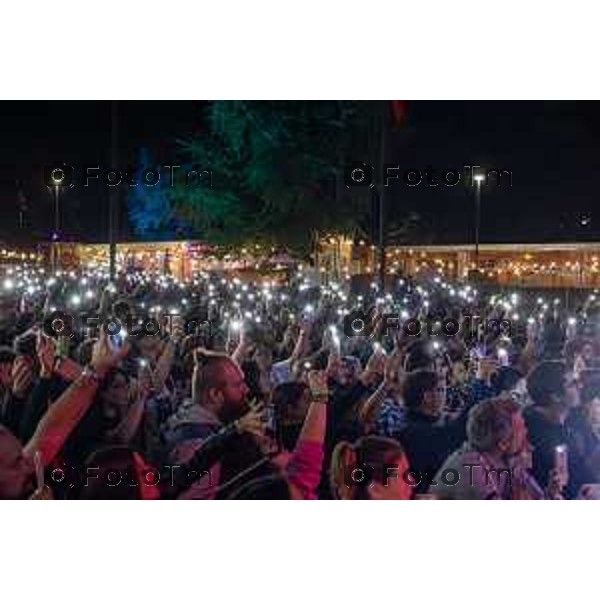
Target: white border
299, 550
270, 49
313, 49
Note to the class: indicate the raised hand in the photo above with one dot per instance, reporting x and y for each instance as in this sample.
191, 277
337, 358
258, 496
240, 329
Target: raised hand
393, 371
42, 491
317, 382
375, 364
105, 356
145, 382
46, 352
253, 421
22, 376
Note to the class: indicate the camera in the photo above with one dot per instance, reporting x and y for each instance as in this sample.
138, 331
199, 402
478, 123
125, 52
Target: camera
358, 174
58, 175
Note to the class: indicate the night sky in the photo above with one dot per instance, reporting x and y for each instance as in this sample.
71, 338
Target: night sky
553, 149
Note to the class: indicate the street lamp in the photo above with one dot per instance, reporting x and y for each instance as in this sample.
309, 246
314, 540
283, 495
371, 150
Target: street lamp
478, 181
55, 234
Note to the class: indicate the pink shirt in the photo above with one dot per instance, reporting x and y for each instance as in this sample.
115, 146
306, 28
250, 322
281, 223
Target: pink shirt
303, 467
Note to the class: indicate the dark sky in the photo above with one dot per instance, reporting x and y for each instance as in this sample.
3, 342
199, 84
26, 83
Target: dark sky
36, 134
553, 149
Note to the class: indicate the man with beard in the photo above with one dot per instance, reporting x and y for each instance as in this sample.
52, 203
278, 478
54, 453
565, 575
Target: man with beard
219, 397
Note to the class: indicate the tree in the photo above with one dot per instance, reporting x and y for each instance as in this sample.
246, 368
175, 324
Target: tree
275, 166
151, 211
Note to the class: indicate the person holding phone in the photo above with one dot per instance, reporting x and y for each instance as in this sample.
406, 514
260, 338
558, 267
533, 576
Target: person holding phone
555, 394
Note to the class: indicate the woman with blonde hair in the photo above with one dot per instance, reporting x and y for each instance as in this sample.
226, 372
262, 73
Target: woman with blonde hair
373, 468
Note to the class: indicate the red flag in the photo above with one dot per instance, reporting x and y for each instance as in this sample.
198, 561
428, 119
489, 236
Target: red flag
399, 109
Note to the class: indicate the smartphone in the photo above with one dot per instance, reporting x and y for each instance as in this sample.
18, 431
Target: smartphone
561, 463
116, 341
503, 357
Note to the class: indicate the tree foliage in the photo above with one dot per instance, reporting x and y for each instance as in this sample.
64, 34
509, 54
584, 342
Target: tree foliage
150, 209
276, 170
276, 173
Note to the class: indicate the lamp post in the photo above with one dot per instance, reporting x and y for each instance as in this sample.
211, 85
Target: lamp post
113, 195
478, 181
55, 234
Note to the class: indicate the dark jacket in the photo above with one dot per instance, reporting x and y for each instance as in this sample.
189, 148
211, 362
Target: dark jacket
544, 436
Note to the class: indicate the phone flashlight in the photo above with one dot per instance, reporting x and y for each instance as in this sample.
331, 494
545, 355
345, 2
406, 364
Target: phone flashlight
503, 357
561, 463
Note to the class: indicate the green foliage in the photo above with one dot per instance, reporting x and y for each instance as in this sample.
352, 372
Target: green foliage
276, 170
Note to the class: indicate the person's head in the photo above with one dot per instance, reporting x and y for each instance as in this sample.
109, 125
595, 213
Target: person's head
496, 426
424, 392
506, 379
7, 357
218, 384
550, 384
553, 341
419, 357
121, 310
149, 346
590, 396
263, 356
25, 344
348, 371
372, 468
16, 470
114, 395
290, 402
252, 376
459, 372
269, 487
587, 351
83, 355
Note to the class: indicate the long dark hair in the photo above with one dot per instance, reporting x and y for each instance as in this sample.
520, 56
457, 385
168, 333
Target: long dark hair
286, 399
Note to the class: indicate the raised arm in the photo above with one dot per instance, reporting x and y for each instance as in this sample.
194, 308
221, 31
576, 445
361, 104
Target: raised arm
165, 362
393, 376
367, 412
300, 347
242, 350
304, 467
64, 415
123, 433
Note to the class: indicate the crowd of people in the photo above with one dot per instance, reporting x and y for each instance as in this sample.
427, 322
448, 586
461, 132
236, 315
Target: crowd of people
260, 389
